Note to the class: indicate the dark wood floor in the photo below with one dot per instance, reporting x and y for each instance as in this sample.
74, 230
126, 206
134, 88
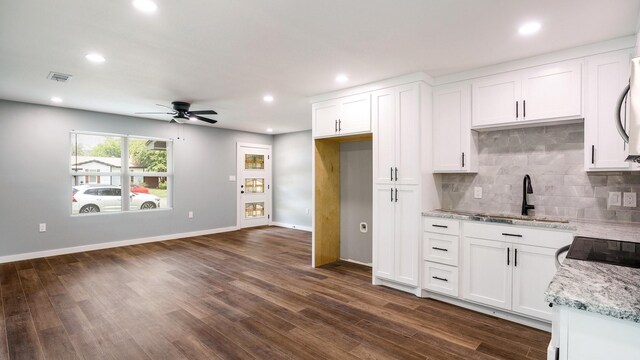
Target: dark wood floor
245, 294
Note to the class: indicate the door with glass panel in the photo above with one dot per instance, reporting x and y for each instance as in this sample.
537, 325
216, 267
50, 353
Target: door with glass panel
254, 185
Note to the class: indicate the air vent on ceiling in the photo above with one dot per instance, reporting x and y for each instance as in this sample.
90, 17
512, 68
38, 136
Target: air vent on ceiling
56, 76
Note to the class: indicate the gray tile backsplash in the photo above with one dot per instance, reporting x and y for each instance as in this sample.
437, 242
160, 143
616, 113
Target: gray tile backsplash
553, 157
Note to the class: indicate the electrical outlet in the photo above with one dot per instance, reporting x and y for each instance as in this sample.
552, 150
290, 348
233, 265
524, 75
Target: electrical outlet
232, 178
615, 198
190, 214
43, 227
363, 227
477, 192
629, 199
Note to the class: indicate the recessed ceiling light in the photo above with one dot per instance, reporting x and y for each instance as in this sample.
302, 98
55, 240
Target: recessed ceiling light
269, 130
342, 78
96, 58
530, 28
268, 98
146, 6
56, 99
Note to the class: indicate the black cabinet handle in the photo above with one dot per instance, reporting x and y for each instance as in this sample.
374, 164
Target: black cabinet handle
516, 109
593, 154
515, 257
439, 248
439, 278
462, 159
396, 194
391, 169
514, 235
440, 226
339, 125
335, 126
508, 255
396, 174
391, 194
524, 109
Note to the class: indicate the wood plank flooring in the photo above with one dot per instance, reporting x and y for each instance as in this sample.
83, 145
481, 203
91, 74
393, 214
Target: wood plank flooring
248, 294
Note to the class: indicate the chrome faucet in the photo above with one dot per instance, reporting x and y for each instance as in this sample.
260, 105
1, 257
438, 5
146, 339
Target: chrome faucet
526, 189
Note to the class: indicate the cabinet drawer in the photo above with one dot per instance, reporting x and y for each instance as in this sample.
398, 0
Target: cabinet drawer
441, 226
440, 248
518, 234
440, 278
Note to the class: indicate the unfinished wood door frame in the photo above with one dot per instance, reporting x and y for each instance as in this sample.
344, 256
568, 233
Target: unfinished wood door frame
325, 247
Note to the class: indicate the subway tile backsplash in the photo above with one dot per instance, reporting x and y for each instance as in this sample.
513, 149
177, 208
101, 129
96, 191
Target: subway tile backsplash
553, 157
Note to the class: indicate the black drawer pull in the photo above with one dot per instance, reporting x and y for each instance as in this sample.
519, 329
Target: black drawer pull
514, 235
440, 226
439, 278
439, 248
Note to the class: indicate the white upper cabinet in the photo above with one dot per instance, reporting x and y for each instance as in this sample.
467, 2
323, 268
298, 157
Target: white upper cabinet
544, 93
396, 141
607, 76
552, 91
496, 99
454, 144
344, 116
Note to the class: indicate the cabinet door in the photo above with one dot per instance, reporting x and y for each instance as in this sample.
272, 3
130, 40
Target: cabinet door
533, 269
384, 232
487, 272
384, 135
325, 117
451, 119
407, 234
607, 75
494, 100
408, 134
355, 114
552, 91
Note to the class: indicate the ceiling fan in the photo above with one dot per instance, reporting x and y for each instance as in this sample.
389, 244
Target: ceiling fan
181, 114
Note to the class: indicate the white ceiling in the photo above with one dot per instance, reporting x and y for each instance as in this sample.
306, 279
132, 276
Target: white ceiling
226, 55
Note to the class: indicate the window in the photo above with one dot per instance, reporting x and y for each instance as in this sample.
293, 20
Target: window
102, 163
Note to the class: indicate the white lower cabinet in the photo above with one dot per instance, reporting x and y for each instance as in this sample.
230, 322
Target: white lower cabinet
506, 267
487, 272
397, 233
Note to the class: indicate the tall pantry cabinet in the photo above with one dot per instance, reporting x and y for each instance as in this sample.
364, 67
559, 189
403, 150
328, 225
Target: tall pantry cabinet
397, 192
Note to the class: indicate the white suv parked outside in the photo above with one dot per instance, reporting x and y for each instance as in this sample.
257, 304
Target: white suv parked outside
99, 198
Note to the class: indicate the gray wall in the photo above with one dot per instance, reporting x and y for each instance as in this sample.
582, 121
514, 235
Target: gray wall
553, 156
36, 186
356, 200
292, 178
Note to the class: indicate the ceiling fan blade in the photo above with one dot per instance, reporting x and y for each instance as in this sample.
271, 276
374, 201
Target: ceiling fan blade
203, 112
210, 121
168, 107
153, 113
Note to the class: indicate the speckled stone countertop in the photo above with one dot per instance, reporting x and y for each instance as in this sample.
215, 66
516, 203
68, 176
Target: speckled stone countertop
605, 289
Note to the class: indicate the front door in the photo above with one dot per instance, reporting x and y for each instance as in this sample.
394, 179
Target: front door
254, 185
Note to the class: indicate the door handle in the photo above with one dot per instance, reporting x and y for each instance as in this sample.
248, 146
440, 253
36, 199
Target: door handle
593, 154
524, 109
335, 126
396, 194
462, 159
515, 257
391, 194
391, 169
396, 174
508, 255
516, 109
339, 125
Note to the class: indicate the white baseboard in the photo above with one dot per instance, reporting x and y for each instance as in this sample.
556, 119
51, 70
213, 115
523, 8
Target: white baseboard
292, 226
113, 244
357, 262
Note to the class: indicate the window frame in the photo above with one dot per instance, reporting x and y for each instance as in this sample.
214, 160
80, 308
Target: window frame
125, 174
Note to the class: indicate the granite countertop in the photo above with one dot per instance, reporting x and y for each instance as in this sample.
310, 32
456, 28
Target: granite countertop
588, 228
605, 289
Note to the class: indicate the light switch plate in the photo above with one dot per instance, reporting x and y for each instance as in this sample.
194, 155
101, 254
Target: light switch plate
190, 214
232, 178
615, 198
629, 199
42, 227
477, 192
